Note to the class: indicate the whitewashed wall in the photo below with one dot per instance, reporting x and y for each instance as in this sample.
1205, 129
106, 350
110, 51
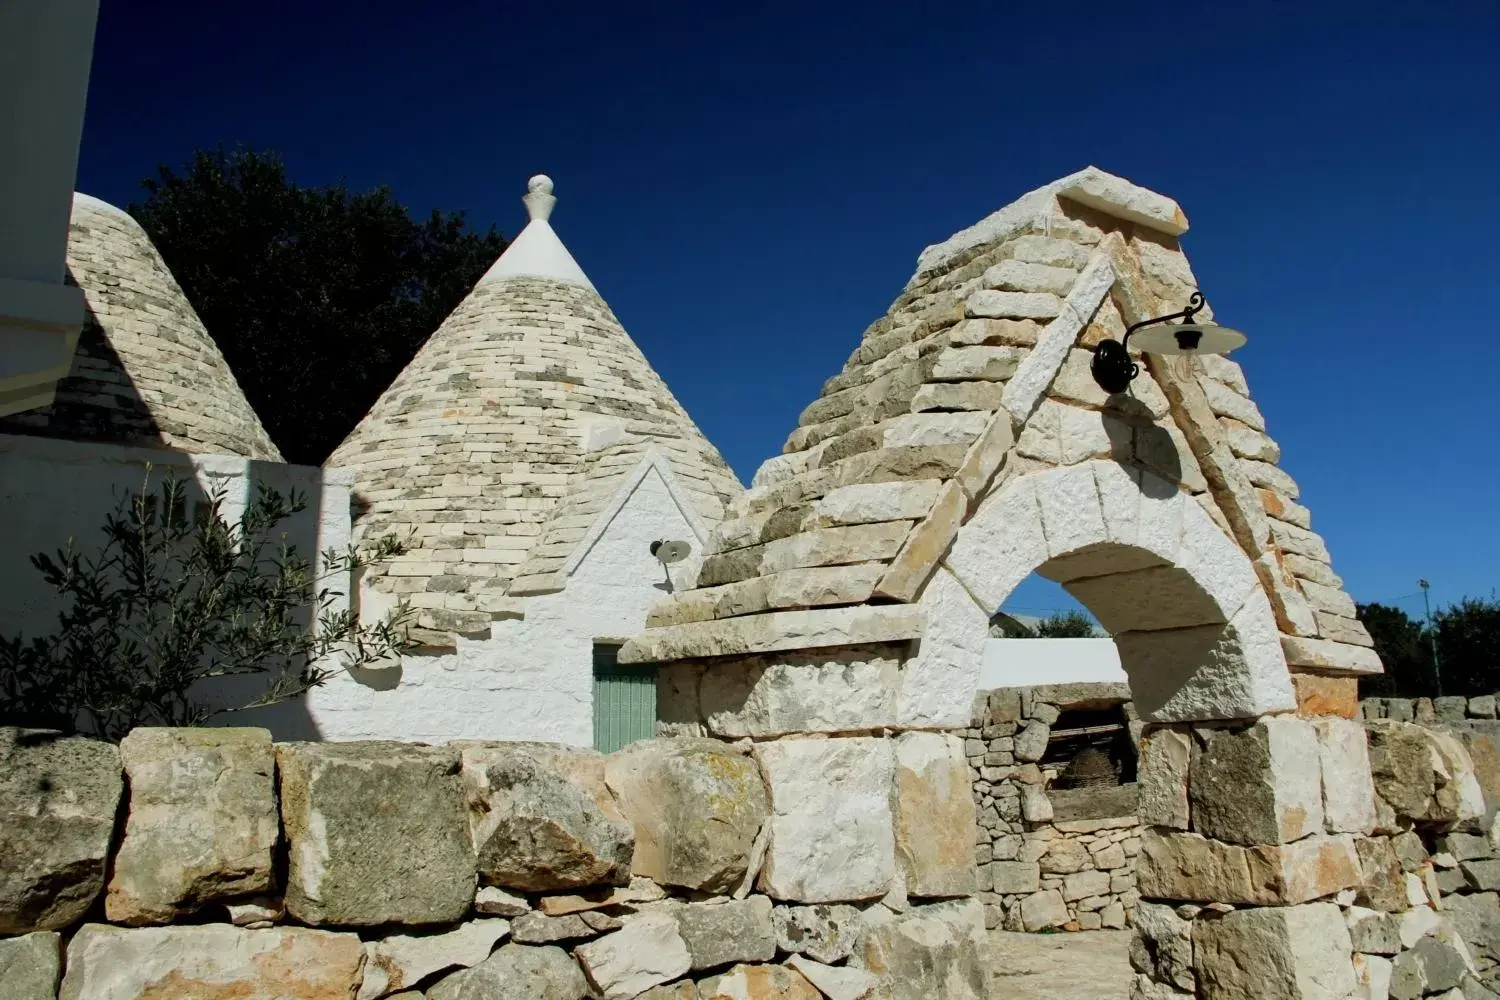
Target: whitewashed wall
1011, 663
532, 679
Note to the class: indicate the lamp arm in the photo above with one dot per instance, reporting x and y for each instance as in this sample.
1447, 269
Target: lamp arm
1195, 304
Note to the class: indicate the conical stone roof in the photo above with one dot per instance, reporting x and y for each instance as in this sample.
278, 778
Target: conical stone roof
499, 446
146, 373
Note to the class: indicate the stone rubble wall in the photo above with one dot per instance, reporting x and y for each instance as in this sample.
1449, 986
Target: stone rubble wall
185, 863
1043, 868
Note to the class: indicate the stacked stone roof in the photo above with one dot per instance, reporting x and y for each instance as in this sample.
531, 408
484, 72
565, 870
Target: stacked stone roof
145, 373
513, 430
982, 363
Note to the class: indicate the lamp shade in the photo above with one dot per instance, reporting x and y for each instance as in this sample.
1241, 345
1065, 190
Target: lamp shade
1187, 338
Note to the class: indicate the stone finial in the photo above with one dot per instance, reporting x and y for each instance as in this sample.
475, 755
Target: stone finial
539, 198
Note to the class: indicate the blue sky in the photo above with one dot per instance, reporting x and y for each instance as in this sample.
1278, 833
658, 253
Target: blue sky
749, 188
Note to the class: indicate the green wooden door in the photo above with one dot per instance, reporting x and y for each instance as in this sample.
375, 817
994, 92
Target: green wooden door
624, 701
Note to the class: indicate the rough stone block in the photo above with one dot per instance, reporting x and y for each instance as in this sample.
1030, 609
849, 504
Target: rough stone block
542, 817
402, 960
833, 690
934, 815
1082, 885
1162, 946
781, 630
648, 951
1190, 867
1015, 877
212, 960
202, 825
1372, 931
1423, 774
696, 806
1382, 885
515, 972
1348, 790
758, 982
866, 503
831, 823
30, 965
1274, 953
1162, 777
354, 865
1258, 785
929, 951
1325, 654
1044, 909
59, 800
718, 933
833, 982
939, 681
825, 933
990, 304
1319, 695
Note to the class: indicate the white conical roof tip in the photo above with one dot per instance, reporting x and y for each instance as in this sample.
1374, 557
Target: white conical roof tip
539, 199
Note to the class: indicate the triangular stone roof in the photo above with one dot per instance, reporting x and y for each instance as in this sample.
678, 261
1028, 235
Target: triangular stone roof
982, 365
501, 443
145, 372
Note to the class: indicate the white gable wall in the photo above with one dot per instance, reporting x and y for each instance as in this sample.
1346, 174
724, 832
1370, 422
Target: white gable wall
532, 679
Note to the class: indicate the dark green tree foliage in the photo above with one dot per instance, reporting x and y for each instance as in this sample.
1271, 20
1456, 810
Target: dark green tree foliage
318, 297
1467, 638
179, 602
1065, 625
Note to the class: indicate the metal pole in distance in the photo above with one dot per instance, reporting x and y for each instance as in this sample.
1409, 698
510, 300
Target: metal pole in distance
1437, 667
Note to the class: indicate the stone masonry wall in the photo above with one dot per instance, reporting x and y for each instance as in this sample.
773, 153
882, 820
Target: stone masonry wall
1047, 860
187, 863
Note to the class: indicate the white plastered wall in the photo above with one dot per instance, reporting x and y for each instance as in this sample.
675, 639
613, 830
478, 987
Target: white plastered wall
532, 678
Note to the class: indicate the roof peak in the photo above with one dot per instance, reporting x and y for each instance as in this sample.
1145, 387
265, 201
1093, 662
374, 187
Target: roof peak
538, 252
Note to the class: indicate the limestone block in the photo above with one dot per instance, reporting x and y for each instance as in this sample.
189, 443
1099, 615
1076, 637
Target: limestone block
1024, 276
211, 960
401, 960
925, 545
685, 989
1225, 402
1000, 544
1162, 946
1423, 774
719, 933
648, 951
542, 817
833, 690
1433, 965
696, 806
825, 933
59, 799
516, 972
1047, 250
1246, 442
1348, 790
938, 683
981, 364
1071, 515
998, 332
1329, 599
834, 982
1382, 885
1274, 953
831, 824
934, 815
822, 585
1081, 885
988, 303
985, 456
1323, 654
1319, 695
780, 630
1058, 434
1372, 931
1044, 909
1157, 597
1215, 561
866, 503
1188, 866
920, 430
833, 546
1259, 785
1063, 857
1162, 777
758, 982
929, 951
1075, 381
351, 865
30, 965
974, 395
1015, 877
202, 825
1121, 199
1209, 672
1035, 806
538, 928
494, 901
1031, 742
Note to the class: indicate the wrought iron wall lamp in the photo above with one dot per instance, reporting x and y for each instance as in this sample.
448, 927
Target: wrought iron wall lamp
1113, 368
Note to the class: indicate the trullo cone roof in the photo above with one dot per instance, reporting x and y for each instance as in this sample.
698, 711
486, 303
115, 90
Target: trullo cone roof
510, 432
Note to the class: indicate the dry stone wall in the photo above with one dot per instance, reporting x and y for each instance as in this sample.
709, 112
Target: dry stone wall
1048, 859
191, 863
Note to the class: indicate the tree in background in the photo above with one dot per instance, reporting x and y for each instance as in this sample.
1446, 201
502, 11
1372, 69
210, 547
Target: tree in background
1467, 638
1059, 625
318, 297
